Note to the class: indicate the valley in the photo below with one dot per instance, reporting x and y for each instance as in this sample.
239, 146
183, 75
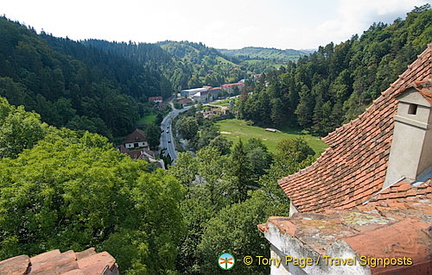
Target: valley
85, 125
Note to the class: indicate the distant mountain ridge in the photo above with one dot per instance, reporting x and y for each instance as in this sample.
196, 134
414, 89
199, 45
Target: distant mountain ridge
189, 64
188, 50
260, 53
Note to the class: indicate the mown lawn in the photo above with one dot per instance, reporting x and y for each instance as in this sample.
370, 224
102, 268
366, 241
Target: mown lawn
235, 129
147, 119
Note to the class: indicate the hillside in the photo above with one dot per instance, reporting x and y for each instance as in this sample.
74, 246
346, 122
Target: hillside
184, 64
66, 189
190, 51
187, 64
73, 85
258, 53
335, 84
151, 57
209, 66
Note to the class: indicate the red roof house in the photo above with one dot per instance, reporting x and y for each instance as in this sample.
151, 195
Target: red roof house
155, 99
136, 139
230, 87
365, 205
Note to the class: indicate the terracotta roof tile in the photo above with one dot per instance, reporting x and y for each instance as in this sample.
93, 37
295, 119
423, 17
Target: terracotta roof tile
263, 227
96, 263
86, 253
74, 272
356, 160
87, 262
15, 266
395, 227
284, 225
53, 262
398, 240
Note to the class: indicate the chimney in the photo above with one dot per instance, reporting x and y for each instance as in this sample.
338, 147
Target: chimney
411, 148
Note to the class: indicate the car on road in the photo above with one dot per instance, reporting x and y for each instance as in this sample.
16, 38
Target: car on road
169, 141
167, 131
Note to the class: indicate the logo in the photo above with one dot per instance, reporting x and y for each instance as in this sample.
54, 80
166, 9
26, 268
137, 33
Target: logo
226, 261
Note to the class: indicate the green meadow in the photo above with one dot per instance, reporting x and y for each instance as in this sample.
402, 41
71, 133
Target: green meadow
147, 119
235, 129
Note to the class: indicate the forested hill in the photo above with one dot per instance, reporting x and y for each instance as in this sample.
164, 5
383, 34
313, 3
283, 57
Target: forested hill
259, 53
209, 66
152, 57
336, 83
97, 85
73, 85
184, 64
192, 52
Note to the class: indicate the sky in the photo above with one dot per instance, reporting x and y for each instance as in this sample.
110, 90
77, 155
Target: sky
222, 24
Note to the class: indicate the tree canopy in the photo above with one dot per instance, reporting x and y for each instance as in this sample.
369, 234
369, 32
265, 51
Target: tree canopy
71, 84
72, 190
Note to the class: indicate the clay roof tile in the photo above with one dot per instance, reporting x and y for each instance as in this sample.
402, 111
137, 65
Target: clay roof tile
87, 262
15, 266
358, 153
384, 228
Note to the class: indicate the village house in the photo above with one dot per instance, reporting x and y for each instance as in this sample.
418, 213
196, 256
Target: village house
137, 139
214, 93
232, 87
208, 94
365, 205
142, 154
214, 112
155, 99
185, 101
191, 92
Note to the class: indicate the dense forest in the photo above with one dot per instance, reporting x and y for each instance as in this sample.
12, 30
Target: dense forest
70, 84
62, 189
185, 64
258, 53
335, 84
210, 67
153, 58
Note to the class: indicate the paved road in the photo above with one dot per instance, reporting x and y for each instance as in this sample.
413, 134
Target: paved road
167, 140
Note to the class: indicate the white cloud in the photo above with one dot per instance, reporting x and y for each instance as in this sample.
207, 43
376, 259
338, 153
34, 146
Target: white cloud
222, 24
356, 16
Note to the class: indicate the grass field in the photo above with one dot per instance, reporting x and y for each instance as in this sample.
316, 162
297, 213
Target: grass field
148, 119
235, 129
224, 103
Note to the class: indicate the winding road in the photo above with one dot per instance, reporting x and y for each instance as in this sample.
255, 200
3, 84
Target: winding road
167, 140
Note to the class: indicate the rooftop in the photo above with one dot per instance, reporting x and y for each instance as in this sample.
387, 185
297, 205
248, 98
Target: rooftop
399, 219
155, 98
196, 90
136, 136
87, 262
353, 168
346, 211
